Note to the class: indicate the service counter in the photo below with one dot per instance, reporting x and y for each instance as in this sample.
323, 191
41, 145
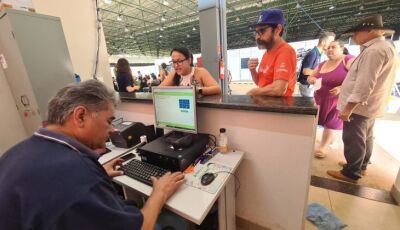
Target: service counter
277, 135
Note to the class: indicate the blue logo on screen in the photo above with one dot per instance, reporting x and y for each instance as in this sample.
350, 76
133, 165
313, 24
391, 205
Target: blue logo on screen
184, 104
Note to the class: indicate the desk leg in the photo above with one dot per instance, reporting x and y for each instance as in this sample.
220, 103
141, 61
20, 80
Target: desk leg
226, 207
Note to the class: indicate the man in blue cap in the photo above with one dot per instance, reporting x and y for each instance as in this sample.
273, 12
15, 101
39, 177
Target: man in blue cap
276, 74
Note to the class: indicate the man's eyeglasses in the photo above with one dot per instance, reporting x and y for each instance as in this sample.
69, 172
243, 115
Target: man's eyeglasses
261, 31
178, 62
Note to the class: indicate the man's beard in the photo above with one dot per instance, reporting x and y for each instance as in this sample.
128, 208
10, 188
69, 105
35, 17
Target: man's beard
262, 44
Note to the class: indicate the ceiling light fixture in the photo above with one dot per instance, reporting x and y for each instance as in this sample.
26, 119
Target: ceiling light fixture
361, 7
126, 29
194, 28
187, 35
237, 19
165, 2
160, 36
107, 1
298, 6
162, 18
119, 17
332, 7
162, 28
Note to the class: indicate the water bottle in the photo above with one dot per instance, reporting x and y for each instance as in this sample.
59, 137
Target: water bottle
223, 141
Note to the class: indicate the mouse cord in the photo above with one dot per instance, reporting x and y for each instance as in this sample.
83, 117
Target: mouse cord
236, 180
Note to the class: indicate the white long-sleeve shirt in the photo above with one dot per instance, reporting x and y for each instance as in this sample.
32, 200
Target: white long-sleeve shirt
370, 79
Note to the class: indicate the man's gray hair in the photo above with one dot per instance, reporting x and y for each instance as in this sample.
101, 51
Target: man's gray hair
92, 94
325, 35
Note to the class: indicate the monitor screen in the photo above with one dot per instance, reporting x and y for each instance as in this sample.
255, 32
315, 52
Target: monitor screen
175, 108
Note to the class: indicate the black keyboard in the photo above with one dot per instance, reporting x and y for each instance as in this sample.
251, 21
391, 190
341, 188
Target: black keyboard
142, 171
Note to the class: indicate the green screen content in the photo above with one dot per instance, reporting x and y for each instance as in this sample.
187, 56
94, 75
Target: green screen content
175, 108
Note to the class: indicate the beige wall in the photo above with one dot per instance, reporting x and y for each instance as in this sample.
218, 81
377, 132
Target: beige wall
11, 128
78, 18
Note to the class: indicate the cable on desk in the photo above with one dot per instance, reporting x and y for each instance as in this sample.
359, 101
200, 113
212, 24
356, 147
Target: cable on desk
236, 179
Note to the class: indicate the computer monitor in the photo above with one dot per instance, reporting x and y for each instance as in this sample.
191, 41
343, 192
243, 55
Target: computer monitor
175, 108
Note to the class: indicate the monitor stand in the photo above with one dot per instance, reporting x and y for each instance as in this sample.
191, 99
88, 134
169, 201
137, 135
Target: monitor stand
179, 140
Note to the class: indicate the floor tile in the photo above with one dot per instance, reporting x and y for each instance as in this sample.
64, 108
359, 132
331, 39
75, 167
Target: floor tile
317, 195
360, 213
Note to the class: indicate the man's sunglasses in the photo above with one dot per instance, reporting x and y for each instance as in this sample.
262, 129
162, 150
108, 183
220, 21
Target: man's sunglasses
261, 31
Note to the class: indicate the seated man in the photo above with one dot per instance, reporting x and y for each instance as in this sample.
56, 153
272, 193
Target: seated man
52, 180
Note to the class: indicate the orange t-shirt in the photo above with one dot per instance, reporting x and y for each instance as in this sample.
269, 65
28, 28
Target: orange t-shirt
278, 64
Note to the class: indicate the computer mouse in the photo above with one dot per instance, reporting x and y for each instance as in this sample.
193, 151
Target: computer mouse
207, 178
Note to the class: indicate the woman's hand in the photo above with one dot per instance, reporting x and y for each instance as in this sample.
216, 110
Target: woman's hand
311, 80
335, 91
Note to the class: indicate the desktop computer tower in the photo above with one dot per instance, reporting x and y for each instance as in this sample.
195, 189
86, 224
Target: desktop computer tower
160, 153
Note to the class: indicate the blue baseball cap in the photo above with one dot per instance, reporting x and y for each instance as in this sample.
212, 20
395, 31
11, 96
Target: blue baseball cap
271, 16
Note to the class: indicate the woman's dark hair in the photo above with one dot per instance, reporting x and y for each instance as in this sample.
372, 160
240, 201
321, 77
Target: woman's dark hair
123, 67
346, 51
185, 52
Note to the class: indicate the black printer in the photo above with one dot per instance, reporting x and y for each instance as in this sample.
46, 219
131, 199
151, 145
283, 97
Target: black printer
127, 133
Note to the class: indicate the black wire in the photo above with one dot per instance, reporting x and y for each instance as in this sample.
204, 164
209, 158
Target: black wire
98, 40
212, 142
236, 179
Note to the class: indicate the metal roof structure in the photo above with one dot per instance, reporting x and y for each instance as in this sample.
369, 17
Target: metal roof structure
153, 28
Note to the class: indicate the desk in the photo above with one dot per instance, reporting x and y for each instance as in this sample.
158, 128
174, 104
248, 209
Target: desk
194, 204
115, 152
278, 136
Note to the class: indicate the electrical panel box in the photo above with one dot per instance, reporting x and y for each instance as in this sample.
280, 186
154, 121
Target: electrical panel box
35, 60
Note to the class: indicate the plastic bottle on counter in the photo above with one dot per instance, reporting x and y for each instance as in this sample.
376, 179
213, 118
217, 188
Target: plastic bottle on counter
222, 141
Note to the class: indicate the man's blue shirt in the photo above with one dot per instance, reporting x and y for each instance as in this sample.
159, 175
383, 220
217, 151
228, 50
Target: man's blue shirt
310, 61
52, 181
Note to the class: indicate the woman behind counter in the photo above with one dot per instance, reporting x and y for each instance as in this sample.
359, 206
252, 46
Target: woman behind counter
185, 74
124, 76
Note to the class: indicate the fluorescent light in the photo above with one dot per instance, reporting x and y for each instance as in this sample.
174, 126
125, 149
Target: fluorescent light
332, 7
107, 1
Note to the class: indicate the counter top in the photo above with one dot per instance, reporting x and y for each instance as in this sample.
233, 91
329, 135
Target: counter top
294, 105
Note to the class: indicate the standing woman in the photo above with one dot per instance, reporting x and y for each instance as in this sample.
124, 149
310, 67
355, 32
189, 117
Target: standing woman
163, 72
124, 76
332, 74
185, 74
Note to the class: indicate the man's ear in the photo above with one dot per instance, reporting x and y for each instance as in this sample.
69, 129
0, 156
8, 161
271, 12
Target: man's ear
79, 116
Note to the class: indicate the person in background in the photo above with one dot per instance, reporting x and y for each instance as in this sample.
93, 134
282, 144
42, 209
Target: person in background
115, 84
311, 61
163, 72
124, 76
185, 74
59, 183
331, 73
364, 95
276, 74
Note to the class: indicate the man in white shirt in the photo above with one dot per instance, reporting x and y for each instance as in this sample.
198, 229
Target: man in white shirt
364, 94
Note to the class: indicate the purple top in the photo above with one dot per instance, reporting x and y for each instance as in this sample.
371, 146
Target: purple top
328, 114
